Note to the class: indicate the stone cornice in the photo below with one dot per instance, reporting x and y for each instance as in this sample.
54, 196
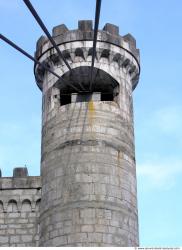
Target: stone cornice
76, 46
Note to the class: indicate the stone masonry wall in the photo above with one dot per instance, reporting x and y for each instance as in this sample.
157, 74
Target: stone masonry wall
89, 195
88, 190
19, 211
89, 179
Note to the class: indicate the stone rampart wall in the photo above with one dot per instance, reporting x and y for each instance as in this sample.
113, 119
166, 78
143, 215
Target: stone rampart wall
19, 211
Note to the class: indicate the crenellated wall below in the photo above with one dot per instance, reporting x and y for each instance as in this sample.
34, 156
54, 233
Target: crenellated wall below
20, 198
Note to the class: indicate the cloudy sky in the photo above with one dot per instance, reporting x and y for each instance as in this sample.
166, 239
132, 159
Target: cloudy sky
157, 27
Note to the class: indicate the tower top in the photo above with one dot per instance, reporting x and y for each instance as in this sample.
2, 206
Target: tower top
109, 34
76, 47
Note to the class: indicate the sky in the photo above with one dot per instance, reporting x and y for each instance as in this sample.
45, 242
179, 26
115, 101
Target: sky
157, 27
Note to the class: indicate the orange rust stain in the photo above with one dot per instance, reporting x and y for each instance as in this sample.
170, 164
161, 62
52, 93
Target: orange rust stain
91, 116
91, 112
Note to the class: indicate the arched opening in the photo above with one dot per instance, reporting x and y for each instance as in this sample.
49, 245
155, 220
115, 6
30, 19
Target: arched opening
104, 87
26, 205
79, 53
12, 206
105, 53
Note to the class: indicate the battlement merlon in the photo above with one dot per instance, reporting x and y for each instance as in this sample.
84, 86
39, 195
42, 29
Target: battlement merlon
20, 180
109, 35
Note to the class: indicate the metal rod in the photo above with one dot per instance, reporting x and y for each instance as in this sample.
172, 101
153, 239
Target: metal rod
43, 27
96, 25
5, 39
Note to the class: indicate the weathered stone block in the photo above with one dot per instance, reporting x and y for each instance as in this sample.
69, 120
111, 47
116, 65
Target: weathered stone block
87, 212
27, 238
95, 237
77, 237
85, 25
20, 172
87, 228
108, 238
10, 231
111, 28
101, 228
59, 30
14, 239
59, 241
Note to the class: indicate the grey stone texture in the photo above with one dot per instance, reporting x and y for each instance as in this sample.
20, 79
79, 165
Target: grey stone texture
87, 193
89, 179
20, 172
19, 210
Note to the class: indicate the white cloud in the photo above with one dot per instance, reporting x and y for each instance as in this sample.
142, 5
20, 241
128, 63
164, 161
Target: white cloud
158, 174
161, 164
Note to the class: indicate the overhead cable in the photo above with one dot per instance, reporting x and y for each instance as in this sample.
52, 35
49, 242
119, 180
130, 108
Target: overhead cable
96, 25
43, 27
43, 65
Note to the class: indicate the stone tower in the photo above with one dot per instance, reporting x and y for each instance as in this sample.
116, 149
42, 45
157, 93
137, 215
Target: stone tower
89, 195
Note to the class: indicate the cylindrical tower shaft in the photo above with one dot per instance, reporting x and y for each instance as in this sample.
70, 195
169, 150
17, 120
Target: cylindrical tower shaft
89, 195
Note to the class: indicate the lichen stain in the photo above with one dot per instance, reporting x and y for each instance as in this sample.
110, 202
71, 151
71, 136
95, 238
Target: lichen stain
91, 115
91, 111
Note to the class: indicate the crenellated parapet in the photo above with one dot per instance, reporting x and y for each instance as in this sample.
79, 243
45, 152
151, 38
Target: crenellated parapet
20, 198
110, 34
20, 191
114, 52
